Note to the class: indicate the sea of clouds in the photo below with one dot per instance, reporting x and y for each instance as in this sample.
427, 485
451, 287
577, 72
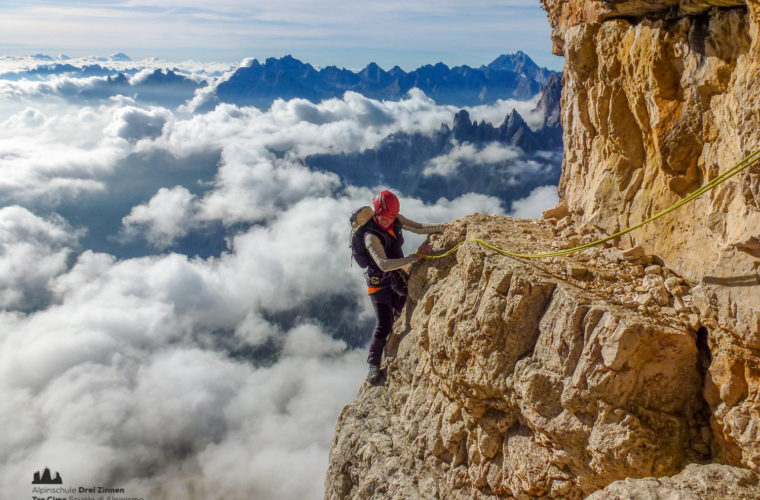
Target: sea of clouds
166, 285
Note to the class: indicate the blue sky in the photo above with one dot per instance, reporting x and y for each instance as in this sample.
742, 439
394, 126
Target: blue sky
340, 32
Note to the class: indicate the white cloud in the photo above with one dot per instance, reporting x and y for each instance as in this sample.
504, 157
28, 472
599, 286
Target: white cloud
55, 86
64, 157
447, 165
92, 142
235, 429
254, 330
28, 118
444, 210
533, 205
32, 252
308, 341
132, 123
165, 218
496, 112
116, 359
350, 123
252, 186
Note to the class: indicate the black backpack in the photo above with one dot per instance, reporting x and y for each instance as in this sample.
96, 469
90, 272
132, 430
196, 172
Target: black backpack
358, 221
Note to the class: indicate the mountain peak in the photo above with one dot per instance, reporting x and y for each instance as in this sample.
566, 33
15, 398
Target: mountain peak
462, 126
514, 119
120, 56
512, 62
519, 63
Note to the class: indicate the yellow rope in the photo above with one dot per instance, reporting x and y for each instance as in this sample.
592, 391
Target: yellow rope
746, 162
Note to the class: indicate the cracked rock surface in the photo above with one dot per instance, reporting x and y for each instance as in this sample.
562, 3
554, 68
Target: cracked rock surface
659, 98
515, 378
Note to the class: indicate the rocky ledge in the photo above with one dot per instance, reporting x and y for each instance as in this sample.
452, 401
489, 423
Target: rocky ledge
524, 378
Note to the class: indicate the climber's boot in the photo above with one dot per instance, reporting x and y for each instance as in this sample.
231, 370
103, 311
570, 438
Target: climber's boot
375, 375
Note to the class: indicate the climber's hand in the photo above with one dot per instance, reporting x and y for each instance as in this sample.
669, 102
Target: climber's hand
424, 249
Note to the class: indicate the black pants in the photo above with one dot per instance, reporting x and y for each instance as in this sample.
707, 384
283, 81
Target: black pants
388, 303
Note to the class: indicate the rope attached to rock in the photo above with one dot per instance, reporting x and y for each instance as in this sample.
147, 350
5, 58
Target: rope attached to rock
746, 162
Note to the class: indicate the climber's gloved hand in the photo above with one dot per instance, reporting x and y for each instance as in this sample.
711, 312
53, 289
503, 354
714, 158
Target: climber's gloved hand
424, 249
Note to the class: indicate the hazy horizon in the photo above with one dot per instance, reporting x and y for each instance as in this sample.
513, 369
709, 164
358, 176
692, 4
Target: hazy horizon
407, 34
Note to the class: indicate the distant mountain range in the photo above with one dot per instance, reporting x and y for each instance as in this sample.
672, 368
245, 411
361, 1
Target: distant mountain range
513, 76
509, 76
163, 87
400, 161
46, 70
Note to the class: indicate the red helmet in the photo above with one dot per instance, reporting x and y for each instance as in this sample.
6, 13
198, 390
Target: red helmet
385, 204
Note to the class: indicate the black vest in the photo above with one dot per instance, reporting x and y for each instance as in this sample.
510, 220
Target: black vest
392, 247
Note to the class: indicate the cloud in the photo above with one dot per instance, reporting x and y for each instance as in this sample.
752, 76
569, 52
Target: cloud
252, 186
76, 85
248, 462
496, 112
533, 205
508, 167
113, 153
119, 351
448, 164
28, 118
165, 218
60, 154
56, 85
350, 123
34, 251
445, 210
133, 123
233, 427
93, 142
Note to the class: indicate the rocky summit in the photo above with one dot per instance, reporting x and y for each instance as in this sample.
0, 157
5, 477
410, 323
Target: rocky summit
627, 370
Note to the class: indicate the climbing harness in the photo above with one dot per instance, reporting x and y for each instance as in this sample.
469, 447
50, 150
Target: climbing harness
746, 162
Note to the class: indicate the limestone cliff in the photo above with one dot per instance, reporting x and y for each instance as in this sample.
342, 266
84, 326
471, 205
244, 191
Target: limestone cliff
529, 378
659, 97
563, 376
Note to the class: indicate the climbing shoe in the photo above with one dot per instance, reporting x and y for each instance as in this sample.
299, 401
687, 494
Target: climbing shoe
375, 375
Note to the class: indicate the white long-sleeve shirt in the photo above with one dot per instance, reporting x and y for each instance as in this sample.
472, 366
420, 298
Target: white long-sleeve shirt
375, 246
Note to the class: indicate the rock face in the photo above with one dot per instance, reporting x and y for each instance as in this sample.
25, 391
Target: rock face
695, 482
523, 379
660, 97
637, 359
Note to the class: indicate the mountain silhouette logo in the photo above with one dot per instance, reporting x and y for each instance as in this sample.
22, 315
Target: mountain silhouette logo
46, 478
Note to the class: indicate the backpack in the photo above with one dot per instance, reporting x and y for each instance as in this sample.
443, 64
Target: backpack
358, 221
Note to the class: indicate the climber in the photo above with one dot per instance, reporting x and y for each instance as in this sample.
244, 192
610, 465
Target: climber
376, 244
